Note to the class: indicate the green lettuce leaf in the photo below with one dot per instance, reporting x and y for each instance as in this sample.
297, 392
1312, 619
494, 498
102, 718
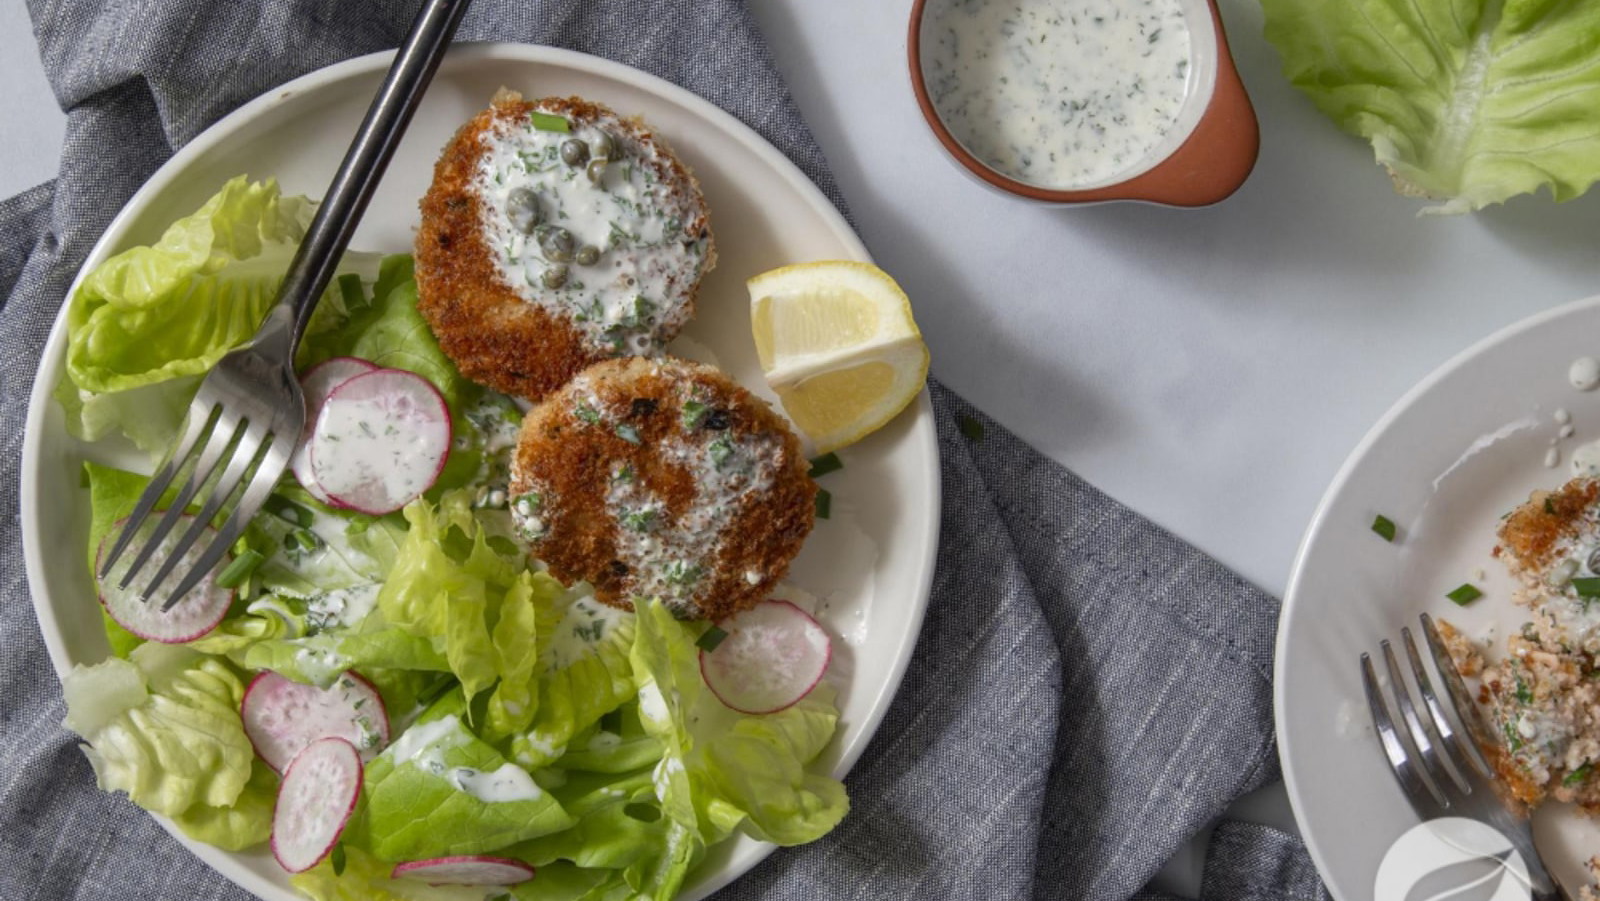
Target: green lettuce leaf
431, 793
319, 659
112, 496
245, 823
163, 314
584, 675
163, 727
721, 770
1467, 102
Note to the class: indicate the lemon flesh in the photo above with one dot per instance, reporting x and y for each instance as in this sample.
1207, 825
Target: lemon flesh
839, 347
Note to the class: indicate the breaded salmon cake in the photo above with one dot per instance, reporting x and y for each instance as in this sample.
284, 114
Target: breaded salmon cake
1551, 544
557, 234
662, 478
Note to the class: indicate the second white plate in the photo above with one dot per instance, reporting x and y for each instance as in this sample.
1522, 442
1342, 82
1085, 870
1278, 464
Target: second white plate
1448, 460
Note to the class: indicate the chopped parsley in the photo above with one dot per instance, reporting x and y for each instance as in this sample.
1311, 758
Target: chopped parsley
639, 520
1384, 526
682, 572
1464, 594
1578, 775
720, 450
586, 413
1587, 587
693, 412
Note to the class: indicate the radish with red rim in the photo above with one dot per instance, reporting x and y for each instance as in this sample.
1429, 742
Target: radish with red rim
773, 655
315, 800
197, 613
282, 716
465, 870
381, 440
316, 384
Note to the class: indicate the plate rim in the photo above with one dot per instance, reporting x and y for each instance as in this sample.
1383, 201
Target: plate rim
1349, 469
465, 54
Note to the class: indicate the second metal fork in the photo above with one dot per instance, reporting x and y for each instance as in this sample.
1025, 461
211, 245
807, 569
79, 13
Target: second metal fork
248, 414
1442, 772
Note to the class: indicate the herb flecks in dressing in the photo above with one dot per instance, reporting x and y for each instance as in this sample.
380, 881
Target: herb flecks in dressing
1057, 93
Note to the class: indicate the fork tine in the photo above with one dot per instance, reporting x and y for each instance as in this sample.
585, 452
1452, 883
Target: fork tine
211, 454
1460, 762
1479, 735
1421, 737
197, 423
274, 459
244, 454
1417, 790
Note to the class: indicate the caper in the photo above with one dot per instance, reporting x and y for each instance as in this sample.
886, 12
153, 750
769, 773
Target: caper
588, 255
574, 152
597, 171
522, 208
555, 276
556, 243
603, 146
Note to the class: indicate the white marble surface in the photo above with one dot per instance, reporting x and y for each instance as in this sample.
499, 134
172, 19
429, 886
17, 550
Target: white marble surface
1208, 368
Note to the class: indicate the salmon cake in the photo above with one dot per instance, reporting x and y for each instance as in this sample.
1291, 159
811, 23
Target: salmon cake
557, 234
662, 478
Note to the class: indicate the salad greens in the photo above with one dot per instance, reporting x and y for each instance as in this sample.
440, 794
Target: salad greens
1466, 102
528, 721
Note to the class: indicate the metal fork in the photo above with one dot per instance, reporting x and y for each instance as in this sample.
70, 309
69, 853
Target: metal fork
1442, 772
247, 417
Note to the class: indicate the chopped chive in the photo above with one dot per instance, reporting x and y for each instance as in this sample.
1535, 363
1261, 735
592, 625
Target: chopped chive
1549, 506
710, 638
971, 428
825, 464
288, 511
549, 122
350, 291
1578, 775
240, 569
1384, 526
337, 859
1587, 586
1465, 594
824, 503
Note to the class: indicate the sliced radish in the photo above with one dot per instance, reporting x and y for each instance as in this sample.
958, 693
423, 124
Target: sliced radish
380, 441
318, 794
773, 655
468, 870
196, 614
316, 384
282, 716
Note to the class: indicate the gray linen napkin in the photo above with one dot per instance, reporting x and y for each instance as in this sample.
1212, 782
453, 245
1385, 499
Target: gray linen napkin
1088, 692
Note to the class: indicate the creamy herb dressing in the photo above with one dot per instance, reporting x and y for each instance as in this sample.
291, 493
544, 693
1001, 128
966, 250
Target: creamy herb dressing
633, 219
586, 622
1057, 93
1586, 460
342, 608
387, 440
508, 783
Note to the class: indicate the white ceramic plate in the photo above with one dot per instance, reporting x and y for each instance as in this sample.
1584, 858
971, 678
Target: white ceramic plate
1461, 449
871, 564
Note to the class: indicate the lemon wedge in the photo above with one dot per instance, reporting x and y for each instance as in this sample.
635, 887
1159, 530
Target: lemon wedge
838, 346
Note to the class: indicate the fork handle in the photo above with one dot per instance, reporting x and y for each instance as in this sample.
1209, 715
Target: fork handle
363, 166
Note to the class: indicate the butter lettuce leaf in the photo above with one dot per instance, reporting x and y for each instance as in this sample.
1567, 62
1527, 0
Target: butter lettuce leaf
163, 727
161, 315
1469, 102
245, 823
440, 790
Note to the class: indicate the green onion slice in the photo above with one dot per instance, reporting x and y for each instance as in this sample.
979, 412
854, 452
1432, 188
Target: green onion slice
1384, 526
288, 511
549, 122
1465, 594
710, 638
234, 574
825, 464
